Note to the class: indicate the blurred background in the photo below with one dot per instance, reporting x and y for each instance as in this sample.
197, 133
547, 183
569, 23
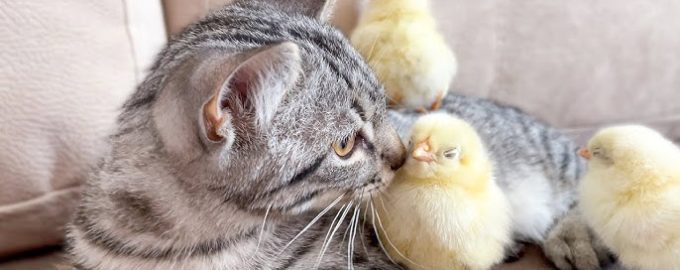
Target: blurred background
68, 65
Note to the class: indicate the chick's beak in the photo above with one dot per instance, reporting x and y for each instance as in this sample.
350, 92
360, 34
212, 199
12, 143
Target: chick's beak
421, 152
585, 153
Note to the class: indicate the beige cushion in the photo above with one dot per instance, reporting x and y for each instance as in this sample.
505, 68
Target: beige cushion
67, 67
180, 13
146, 32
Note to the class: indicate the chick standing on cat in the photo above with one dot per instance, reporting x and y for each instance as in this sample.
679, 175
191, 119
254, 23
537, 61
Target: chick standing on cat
444, 209
631, 195
400, 41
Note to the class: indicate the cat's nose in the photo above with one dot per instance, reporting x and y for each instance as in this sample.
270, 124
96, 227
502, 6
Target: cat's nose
393, 150
398, 162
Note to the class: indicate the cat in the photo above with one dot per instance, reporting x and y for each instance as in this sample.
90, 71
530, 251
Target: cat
538, 169
251, 125
256, 140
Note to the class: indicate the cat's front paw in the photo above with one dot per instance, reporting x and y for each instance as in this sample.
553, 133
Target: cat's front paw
572, 245
514, 252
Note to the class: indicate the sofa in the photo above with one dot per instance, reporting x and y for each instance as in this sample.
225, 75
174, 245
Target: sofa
68, 66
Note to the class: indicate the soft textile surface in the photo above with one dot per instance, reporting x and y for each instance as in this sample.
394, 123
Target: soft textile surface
66, 68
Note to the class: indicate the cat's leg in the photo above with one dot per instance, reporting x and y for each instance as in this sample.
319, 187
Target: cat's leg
572, 245
514, 252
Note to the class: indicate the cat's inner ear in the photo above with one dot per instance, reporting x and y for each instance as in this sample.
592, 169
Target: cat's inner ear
253, 91
319, 9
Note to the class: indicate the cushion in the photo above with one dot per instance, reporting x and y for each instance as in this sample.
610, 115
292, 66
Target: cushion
67, 67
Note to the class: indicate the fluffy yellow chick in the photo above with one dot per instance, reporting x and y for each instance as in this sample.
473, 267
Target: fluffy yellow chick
400, 41
444, 209
630, 195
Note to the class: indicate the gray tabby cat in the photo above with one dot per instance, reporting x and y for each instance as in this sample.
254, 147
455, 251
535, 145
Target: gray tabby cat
255, 138
538, 169
249, 124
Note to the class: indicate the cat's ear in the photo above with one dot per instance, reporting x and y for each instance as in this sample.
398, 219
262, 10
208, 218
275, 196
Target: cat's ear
319, 9
252, 92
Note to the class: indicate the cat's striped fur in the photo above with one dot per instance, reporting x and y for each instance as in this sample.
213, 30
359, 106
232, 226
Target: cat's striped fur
272, 194
167, 196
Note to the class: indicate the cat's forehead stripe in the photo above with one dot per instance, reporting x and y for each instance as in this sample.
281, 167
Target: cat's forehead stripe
359, 109
323, 43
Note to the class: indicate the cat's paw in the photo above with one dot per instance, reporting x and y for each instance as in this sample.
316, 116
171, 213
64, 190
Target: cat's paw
514, 252
571, 245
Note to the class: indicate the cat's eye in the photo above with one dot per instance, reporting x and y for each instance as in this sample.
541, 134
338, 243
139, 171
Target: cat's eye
344, 147
453, 153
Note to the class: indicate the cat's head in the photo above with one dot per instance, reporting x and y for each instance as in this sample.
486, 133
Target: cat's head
291, 125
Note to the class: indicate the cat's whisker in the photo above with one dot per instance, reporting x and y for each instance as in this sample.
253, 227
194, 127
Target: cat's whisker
348, 229
385, 194
330, 229
350, 241
363, 230
337, 226
377, 234
369, 60
370, 52
382, 202
391, 100
349, 264
380, 55
392, 244
264, 221
344, 235
325, 240
356, 224
311, 223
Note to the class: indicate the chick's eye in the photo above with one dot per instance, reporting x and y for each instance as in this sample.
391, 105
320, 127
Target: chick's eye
344, 147
596, 152
453, 153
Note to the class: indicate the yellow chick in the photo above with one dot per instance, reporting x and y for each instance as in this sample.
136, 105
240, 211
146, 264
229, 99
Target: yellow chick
444, 210
400, 41
630, 195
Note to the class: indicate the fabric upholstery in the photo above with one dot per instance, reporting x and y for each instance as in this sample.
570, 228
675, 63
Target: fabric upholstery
67, 67
577, 64
180, 13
